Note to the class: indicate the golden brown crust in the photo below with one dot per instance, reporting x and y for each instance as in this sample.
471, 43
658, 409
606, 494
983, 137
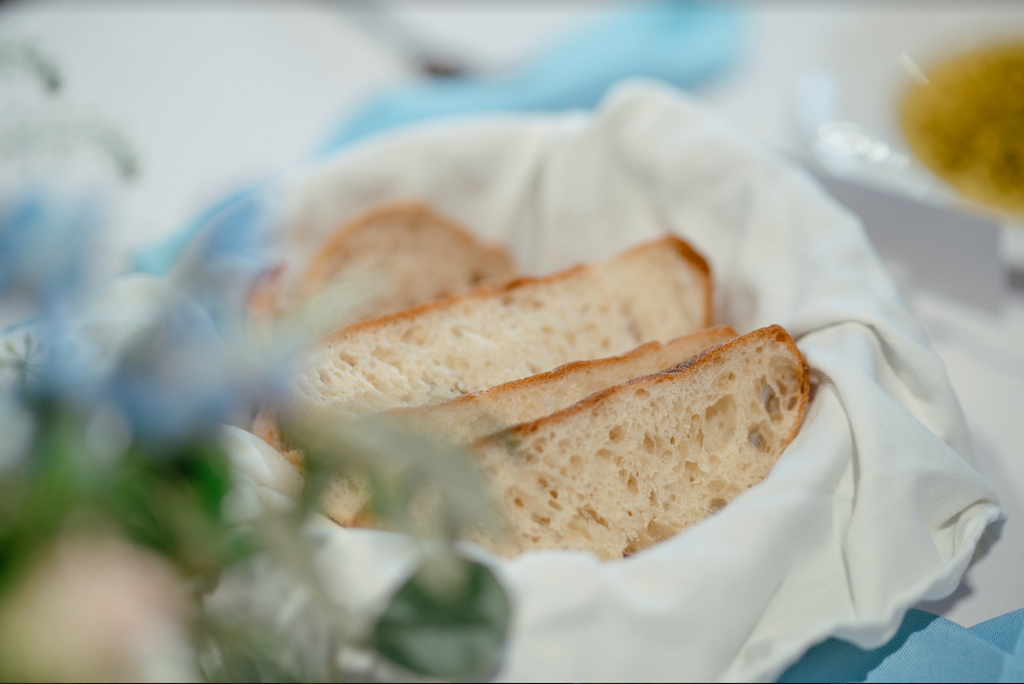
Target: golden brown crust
691, 255
675, 373
566, 369
683, 249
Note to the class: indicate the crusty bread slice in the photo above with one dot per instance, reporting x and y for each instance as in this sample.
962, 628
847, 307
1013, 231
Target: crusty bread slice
462, 344
466, 418
415, 253
638, 462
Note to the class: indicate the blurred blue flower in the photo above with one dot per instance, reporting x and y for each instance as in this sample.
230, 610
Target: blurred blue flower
44, 243
220, 265
172, 357
177, 378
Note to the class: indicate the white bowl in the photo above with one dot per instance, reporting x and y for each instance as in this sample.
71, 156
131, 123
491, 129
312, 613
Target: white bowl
848, 101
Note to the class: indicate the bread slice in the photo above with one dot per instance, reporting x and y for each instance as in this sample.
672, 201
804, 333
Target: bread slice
414, 252
466, 418
463, 420
638, 462
463, 344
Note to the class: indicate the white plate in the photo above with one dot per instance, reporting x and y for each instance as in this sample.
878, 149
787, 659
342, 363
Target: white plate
848, 101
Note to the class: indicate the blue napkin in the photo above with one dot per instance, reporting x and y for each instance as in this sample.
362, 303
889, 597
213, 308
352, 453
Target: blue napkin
927, 648
681, 42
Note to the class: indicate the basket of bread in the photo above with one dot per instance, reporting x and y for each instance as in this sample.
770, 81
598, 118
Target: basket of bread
713, 434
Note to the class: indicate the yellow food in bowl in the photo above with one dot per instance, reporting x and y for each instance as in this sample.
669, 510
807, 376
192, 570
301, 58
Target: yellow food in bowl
966, 123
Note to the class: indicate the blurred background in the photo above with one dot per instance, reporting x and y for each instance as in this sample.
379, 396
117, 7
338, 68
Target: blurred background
170, 108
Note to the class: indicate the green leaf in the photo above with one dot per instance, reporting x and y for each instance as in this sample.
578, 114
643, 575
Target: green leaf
453, 634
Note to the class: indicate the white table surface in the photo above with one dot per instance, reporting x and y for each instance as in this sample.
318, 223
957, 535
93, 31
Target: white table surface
216, 96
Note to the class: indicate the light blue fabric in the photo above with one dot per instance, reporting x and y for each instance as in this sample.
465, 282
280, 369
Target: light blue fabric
678, 41
927, 648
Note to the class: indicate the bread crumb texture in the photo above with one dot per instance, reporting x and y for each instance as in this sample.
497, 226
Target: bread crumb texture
416, 254
463, 344
639, 462
469, 417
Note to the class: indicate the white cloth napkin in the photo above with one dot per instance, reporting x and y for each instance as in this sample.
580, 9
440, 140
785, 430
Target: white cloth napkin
873, 507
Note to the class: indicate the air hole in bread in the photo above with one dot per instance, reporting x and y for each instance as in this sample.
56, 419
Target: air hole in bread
720, 423
782, 336
757, 440
554, 504
554, 494
475, 277
593, 515
631, 484
648, 442
691, 470
574, 460
542, 521
543, 483
716, 505
657, 532
325, 377
616, 433
604, 453
654, 498
641, 393
771, 400
519, 502
791, 404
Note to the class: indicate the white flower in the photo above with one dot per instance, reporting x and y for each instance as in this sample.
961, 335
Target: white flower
96, 608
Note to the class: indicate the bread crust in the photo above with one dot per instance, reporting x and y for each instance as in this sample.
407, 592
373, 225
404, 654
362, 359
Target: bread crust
566, 370
676, 373
682, 249
269, 294
321, 265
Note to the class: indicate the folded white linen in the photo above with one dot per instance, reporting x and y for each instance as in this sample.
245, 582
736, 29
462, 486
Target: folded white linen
873, 507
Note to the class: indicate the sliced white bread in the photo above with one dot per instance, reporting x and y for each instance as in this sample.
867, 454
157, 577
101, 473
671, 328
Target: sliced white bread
469, 417
461, 344
416, 255
635, 464
465, 419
